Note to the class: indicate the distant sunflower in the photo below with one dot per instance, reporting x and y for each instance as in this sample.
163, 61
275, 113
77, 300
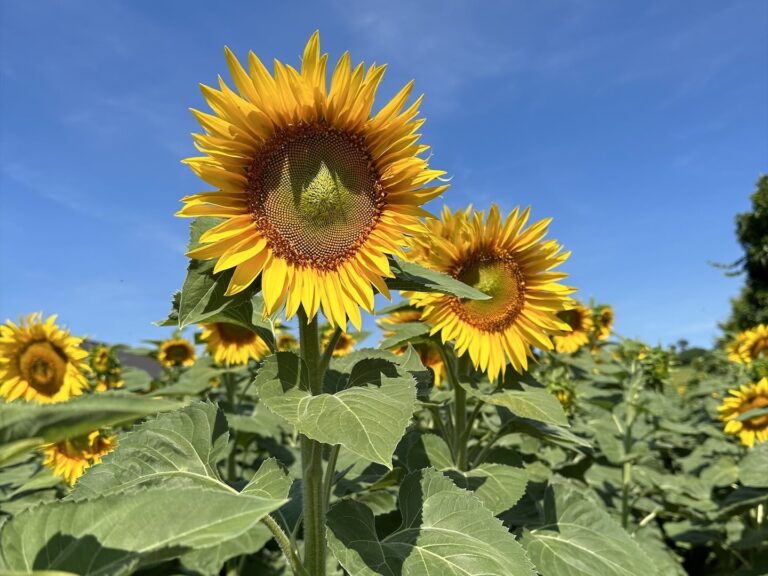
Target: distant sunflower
429, 352
100, 359
176, 352
40, 361
315, 191
579, 319
344, 346
511, 265
755, 344
743, 400
70, 458
231, 344
735, 346
603, 322
565, 396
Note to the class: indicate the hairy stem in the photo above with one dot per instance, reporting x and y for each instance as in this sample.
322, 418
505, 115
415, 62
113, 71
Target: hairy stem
633, 393
285, 545
312, 456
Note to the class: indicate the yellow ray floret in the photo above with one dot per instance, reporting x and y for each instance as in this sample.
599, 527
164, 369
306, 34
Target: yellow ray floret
739, 401
510, 263
231, 344
579, 319
428, 351
345, 344
176, 352
315, 189
70, 458
749, 345
603, 322
40, 361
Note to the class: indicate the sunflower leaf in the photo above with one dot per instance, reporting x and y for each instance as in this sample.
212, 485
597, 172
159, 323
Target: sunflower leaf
368, 416
416, 278
580, 539
402, 333
24, 425
752, 469
445, 530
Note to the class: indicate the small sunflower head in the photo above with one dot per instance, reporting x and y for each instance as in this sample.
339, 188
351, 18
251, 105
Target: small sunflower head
513, 265
39, 361
232, 344
70, 458
176, 352
749, 345
579, 320
315, 190
345, 344
427, 349
603, 322
740, 401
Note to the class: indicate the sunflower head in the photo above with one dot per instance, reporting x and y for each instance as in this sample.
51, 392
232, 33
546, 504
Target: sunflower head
344, 346
176, 352
100, 359
603, 322
743, 400
70, 458
511, 264
40, 361
579, 320
315, 190
232, 344
735, 348
428, 351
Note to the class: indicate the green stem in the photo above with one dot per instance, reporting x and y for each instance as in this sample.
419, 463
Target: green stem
230, 387
460, 410
285, 545
626, 470
312, 457
330, 470
328, 352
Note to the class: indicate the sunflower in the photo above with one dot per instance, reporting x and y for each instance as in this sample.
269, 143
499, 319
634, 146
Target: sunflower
287, 343
315, 190
40, 361
734, 348
743, 400
579, 319
231, 344
603, 322
511, 265
70, 458
755, 344
428, 351
176, 352
344, 346
100, 359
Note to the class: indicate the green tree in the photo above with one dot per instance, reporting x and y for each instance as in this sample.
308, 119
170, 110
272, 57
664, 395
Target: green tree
751, 306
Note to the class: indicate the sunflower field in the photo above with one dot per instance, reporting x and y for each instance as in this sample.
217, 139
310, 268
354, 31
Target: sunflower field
499, 428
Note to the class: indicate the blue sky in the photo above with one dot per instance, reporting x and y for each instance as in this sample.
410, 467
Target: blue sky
640, 127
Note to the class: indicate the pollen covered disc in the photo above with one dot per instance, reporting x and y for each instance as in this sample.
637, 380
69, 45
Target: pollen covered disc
500, 278
314, 194
43, 367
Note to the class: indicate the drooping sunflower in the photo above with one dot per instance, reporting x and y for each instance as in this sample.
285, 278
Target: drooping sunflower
315, 190
231, 344
40, 361
510, 264
344, 346
429, 352
743, 400
603, 322
176, 352
70, 458
579, 319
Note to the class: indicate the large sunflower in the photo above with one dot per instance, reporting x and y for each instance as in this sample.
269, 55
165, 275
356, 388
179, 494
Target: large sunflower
428, 351
603, 322
579, 320
511, 265
176, 352
755, 344
40, 361
743, 400
70, 458
231, 344
316, 191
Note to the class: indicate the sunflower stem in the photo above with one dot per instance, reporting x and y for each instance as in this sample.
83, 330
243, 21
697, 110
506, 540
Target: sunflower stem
629, 420
459, 409
231, 388
328, 352
285, 545
313, 503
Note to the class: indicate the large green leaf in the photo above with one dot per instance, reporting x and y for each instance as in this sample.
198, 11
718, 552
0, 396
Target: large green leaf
411, 276
116, 533
445, 530
25, 425
368, 417
753, 469
581, 539
404, 332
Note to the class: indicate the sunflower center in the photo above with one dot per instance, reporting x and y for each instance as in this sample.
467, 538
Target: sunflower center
573, 318
177, 353
499, 277
232, 334
44, 367
759, 422
315, 195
